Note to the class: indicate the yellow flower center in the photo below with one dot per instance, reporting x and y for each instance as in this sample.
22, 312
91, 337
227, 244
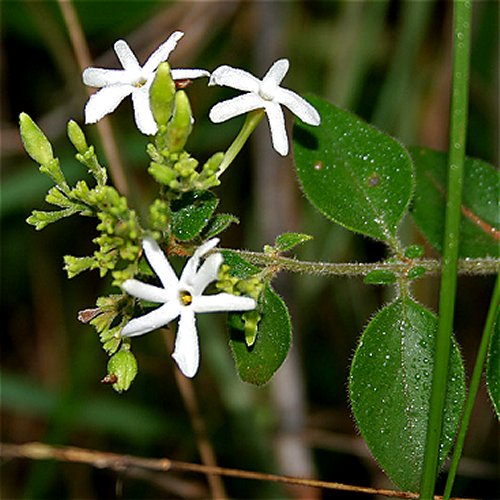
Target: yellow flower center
140, 82
186, 297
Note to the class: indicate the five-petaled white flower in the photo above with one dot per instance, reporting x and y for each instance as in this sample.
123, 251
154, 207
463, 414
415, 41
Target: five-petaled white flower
181, 298
116, 84
266, 94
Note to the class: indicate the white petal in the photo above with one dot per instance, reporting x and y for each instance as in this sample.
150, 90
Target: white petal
162, 52
276, 120
235, 78
153, 320
186, 351
98, 77
144, 118
126, 56
238, 105
298, 106
277, 71
207, 273
188, 74
146, 291
105, 101
159, 263
188, 275
222, 302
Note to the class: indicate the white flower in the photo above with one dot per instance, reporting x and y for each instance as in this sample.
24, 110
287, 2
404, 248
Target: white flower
116, 84
266, 94
181, 298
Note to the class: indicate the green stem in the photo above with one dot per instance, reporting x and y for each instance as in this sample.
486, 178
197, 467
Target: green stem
252, 120
458, 125
279, 263
474, 386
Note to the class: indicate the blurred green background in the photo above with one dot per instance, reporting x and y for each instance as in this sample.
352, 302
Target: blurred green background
389, 62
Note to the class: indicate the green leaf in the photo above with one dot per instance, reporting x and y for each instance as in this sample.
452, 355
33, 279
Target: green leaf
493, 367
287, 241
390, 387
258, 363
41, 219
479, 229
240, 268
380, 277
191, 213
219, 223
353, 173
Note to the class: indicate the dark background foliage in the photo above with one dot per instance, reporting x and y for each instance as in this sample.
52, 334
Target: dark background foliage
389, 62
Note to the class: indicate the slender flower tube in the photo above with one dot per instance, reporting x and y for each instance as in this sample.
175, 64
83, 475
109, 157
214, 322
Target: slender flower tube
181, 298
262, 94
133, 80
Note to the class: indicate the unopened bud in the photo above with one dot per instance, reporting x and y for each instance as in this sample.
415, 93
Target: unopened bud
181, 123
77, 137
122, 368
34, 140
162, 94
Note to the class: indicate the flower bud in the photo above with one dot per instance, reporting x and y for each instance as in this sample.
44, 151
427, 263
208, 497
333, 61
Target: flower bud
77, 137
34, 140
122, 368
161, 94
181, 123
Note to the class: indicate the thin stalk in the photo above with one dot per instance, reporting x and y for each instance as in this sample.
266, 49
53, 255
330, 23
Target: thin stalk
474, 387
205, 448
252, 120
456, 157
104, 129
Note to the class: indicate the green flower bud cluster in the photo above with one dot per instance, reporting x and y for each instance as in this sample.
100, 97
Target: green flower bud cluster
159, 216
251, 287
119, 241
119, 238
170, 164
179, 170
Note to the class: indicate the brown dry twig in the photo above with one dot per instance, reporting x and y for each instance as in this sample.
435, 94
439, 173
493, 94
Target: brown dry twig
117, 462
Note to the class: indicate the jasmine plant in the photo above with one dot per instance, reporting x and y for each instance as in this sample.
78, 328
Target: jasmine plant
353, 173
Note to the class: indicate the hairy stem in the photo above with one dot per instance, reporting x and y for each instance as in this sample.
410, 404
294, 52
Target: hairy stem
278, 263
